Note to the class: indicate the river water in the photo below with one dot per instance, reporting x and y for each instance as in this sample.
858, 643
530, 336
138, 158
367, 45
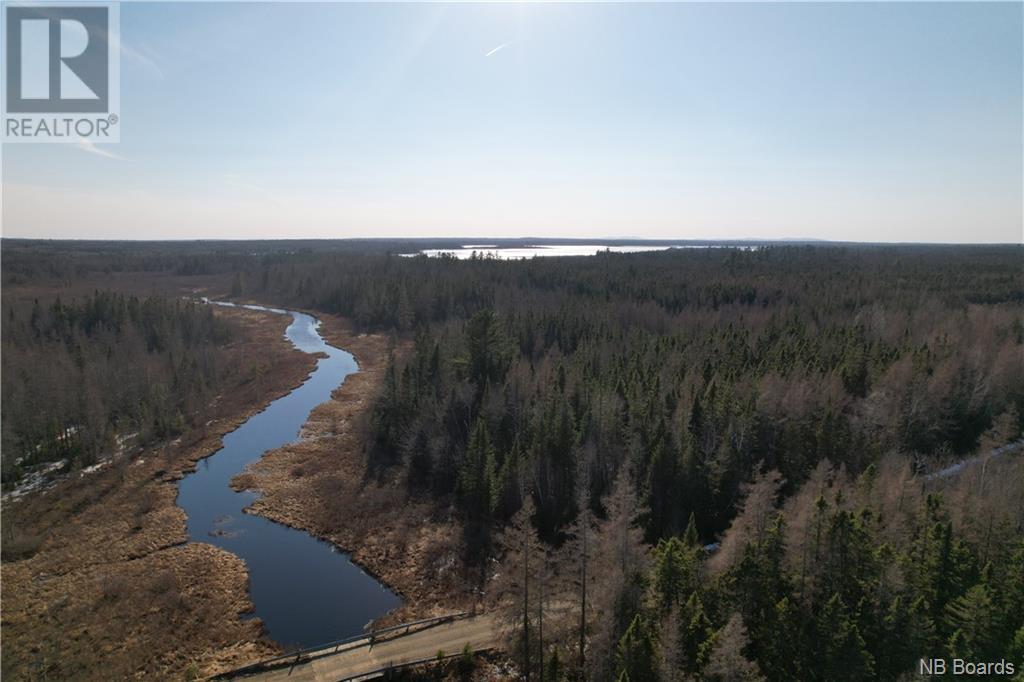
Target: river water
305, 591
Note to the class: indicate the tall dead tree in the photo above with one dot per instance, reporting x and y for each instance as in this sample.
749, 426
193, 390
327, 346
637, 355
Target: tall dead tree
522, 562
619, 561
576, 557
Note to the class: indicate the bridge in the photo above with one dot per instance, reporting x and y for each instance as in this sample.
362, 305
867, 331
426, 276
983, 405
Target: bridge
368, 656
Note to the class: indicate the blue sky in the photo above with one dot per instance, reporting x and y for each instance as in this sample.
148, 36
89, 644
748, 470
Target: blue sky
873, 122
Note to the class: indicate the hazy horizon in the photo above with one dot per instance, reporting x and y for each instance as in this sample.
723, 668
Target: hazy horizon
469, 240
873, 123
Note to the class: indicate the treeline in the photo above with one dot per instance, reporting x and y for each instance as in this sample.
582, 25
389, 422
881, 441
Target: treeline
687, 368
537, 385
28, 261
598, 421
80, 375
851, 578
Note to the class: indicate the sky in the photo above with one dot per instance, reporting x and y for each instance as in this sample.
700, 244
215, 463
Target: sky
863, 122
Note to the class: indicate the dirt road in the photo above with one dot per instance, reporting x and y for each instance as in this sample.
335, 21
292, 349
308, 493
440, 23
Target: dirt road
355, 659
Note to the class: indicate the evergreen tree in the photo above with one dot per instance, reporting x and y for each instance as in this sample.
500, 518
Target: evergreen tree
477, 472
974, 620
841, 650
636, 654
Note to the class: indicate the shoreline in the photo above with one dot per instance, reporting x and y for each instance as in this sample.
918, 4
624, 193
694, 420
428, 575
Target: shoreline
304, 435
112, 571
319, 485
114, 543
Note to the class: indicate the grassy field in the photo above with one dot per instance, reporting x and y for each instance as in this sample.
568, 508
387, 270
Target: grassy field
102, 584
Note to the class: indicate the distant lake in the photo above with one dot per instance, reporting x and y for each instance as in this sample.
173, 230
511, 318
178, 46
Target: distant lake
547, 250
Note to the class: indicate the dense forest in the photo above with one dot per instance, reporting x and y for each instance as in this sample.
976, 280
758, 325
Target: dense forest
710, 464
83, 377
764, 398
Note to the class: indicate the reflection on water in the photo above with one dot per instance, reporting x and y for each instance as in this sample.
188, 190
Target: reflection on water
547, 250
305, 591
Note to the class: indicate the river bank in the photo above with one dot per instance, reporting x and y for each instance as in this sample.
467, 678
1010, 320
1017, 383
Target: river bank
304, 591
105, 586
320, 484
112, 589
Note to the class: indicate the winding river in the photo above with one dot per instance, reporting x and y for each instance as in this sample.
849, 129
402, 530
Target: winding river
304, 590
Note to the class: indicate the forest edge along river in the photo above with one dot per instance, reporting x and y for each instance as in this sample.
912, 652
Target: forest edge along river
304, 590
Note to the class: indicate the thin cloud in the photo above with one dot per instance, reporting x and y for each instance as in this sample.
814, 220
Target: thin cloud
497, 49
88, 146
138, 55
145, 60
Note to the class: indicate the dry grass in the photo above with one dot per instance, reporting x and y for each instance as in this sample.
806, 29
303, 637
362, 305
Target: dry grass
98, 582
320, 485
20, 544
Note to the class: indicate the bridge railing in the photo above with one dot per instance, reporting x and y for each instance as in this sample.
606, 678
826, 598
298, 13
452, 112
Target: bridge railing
409, 664
329, 648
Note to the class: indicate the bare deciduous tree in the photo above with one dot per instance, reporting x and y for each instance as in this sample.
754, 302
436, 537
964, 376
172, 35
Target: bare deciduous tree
522, 562
753, 520
727, 662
